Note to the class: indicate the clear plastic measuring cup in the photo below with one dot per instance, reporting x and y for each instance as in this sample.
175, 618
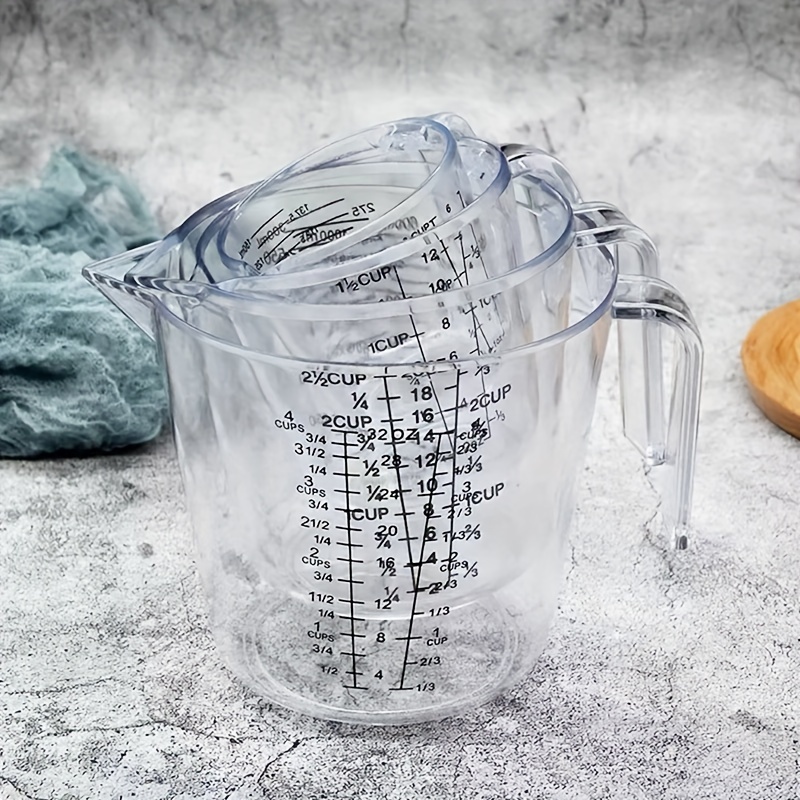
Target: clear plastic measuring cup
439, 243
380, 534
352, 198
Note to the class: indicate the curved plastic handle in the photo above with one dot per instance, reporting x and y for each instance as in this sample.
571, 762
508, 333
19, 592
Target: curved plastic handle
655, 304
523, 158
640, 350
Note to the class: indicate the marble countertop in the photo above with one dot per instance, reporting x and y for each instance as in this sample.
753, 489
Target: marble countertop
667, 675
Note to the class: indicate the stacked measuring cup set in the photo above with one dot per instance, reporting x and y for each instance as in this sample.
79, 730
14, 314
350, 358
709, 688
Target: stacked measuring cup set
382, 364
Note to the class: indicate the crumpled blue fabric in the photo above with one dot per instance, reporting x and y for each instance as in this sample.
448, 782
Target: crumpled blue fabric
75, 373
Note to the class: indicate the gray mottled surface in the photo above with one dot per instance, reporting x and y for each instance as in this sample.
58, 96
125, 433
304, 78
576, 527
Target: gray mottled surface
666, 676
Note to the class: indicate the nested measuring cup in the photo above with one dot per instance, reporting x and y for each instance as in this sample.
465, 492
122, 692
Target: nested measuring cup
347, 199
383, 181
435, 238
381, 533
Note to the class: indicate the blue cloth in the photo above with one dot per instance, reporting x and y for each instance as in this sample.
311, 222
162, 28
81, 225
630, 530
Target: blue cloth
75, 374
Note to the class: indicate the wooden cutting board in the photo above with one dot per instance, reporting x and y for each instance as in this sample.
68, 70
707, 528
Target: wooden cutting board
771, 359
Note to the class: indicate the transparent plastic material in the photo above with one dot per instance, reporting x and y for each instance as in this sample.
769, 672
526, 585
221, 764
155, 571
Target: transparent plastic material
640, 351
351, 197
441, 240
381, 487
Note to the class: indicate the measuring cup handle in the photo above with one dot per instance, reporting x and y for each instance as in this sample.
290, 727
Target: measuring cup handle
524, 159
652, 301
655, 304
640, 349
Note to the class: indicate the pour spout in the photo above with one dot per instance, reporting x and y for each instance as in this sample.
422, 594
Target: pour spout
109, 275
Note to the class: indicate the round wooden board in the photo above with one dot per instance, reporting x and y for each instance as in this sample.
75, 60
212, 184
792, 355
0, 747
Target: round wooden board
771, 359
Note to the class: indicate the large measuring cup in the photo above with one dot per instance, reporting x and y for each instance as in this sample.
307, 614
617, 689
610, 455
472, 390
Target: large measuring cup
381, 530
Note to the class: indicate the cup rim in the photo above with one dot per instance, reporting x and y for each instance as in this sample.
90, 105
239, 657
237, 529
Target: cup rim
263, 302
587, 321
329, 273
156, 289
300, 167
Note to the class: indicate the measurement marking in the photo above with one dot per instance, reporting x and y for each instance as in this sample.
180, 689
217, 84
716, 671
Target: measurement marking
452, 515
476, 325
476, 328
446, 251
264, 225
335, 220
422, 353
499, 318
351, 617
351, 601
415, 577
348, 580
414, 564
354, 560
347, 491
344, 432
324, 205
310, 211
270, 252
352, 653
318, 244
404, 513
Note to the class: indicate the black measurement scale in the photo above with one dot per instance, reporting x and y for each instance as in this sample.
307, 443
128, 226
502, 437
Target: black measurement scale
392, 532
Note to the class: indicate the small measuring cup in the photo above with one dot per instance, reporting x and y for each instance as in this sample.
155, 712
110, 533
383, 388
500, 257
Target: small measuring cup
381, 534
351, 197
404, 258
443, 248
